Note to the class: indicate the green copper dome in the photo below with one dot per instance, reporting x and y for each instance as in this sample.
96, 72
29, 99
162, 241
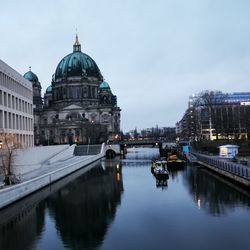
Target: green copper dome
77, 64
104, 85
49, 90
31, 76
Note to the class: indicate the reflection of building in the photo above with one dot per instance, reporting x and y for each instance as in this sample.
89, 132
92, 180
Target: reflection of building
212, 193
86, 207
79, 105
21, 228
223, 116
80, 206
16, 107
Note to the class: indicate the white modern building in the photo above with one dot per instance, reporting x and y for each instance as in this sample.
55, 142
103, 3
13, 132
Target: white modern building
16, 106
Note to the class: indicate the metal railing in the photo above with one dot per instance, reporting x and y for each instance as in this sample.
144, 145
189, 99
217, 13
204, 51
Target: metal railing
228, 166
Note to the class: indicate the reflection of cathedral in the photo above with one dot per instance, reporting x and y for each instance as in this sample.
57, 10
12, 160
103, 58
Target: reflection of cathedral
84, 210
82, 206
78, 106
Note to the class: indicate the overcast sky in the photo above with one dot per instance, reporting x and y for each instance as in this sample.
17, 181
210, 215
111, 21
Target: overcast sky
153, 54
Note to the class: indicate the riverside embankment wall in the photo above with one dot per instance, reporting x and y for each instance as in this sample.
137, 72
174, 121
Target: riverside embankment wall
234, 171
13, 193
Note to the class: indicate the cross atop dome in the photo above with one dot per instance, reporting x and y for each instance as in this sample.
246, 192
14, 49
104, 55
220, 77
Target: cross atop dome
77, 45
77, 40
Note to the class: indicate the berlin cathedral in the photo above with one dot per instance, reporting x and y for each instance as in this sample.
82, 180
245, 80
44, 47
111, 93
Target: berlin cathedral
78, 106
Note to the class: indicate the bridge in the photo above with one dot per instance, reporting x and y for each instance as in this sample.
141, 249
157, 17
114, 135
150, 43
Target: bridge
139, 142
114, 148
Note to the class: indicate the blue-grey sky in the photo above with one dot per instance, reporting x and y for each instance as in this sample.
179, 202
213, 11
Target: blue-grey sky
153, 54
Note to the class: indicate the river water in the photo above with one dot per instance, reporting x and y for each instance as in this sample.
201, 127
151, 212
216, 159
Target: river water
117, 205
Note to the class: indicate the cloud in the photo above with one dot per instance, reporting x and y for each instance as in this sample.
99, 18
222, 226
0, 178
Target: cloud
154, 54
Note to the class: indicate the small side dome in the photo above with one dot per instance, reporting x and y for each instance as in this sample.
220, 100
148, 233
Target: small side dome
31, 76
49, 90
104, 85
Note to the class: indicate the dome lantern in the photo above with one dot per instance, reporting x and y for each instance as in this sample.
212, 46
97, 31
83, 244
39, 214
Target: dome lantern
77, 45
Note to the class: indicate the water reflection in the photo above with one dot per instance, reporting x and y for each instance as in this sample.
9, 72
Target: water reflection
84, 210
214, 194
147, 154
87, 210
163, 184
81, 208
175, 172
21, 232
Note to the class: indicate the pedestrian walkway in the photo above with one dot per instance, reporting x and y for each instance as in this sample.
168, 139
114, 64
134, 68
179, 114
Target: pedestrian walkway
43, 176
48, 168
233, 170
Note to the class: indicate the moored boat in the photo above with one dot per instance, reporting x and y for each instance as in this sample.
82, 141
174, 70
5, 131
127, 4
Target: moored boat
159, 170
174, 162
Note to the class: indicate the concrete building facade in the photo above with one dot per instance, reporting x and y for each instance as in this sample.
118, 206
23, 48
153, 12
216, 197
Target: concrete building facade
16, 106
218, 115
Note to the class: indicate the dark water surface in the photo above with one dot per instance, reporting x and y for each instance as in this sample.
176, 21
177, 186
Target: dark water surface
117, 205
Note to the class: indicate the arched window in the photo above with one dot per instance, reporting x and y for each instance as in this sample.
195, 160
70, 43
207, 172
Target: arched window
73, 116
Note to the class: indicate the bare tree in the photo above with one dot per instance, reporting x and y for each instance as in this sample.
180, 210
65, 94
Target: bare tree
211, 100
7, 153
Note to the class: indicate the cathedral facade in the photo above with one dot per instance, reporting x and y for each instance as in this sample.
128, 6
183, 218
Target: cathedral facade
78, 106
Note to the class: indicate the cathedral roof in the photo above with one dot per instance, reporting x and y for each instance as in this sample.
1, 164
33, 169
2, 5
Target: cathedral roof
104, 85
77, 64
31, 76
49, 90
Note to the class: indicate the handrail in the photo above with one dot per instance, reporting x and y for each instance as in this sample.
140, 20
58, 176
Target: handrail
228, 166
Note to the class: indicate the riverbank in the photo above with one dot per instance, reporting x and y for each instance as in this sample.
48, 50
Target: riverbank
213, 146
57, 163
236, 172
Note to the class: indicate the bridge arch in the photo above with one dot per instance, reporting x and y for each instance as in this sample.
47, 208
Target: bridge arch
110, 154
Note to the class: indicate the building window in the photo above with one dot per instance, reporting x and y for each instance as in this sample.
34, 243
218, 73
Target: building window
1, 119
16, 103
13, 102
9, 101
13, 121
17, 124
5, 119
5, 99
9, 118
